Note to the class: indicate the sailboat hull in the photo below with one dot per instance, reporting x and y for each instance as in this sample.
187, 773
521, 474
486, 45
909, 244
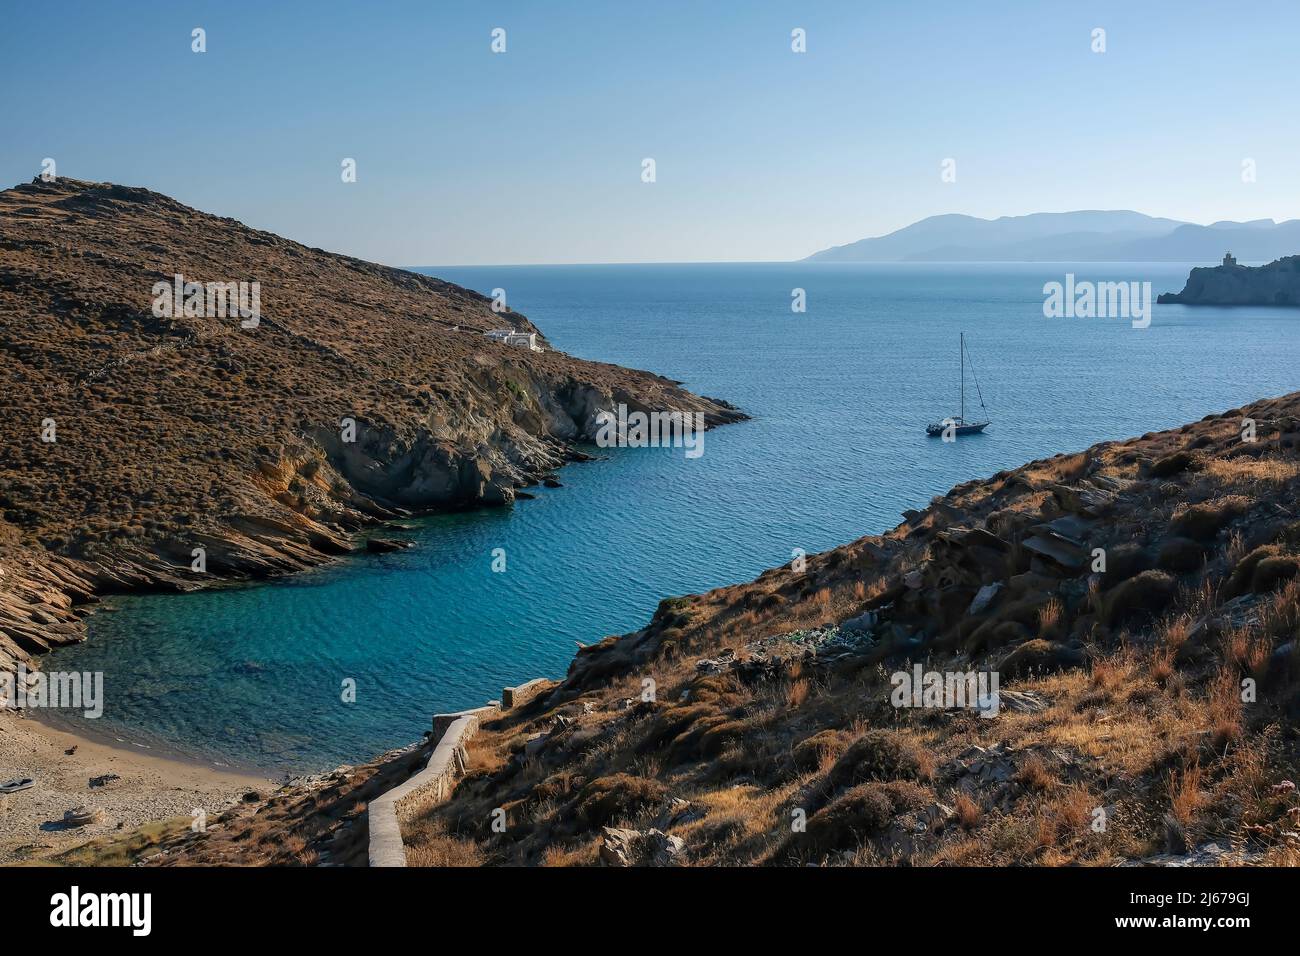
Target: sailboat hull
937, 430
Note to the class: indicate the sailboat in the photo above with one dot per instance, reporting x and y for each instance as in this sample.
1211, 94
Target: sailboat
959, 424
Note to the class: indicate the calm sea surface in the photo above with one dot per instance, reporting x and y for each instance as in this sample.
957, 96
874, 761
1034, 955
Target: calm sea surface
839, 397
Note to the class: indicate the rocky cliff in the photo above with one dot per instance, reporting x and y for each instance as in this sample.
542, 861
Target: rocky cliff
1277, 283
135, 444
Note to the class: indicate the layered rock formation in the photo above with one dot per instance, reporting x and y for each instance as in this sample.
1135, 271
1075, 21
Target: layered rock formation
1277, 283
362, 393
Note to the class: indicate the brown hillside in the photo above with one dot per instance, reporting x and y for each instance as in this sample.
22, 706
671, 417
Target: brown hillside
184, 432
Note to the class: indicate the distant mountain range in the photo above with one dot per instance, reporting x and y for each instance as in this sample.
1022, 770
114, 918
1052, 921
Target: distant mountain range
1083, 236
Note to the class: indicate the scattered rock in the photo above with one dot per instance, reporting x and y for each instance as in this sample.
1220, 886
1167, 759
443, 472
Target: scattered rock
863, 622
626, 847
714, 665
82, 816
1026, 702
984, 597
1208, 854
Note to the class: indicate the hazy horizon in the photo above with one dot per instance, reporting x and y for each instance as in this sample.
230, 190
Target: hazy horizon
534, 155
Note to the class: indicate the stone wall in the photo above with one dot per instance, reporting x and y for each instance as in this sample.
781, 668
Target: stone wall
430, 786
433, 784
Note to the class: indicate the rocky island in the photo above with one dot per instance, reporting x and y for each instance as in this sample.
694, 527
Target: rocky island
1277, 283
170, 448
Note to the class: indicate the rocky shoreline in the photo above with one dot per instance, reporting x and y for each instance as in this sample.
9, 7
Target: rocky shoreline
180, 452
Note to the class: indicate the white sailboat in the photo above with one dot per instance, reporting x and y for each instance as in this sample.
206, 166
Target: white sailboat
959, 425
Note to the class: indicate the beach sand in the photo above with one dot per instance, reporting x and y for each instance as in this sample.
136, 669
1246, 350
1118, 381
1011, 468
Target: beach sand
150, 787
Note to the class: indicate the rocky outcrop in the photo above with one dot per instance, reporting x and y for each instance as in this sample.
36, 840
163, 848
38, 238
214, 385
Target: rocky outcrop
144, 450
1277, 283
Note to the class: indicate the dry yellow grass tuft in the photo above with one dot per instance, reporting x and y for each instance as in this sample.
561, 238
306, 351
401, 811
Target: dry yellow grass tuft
968, 812
1234, 471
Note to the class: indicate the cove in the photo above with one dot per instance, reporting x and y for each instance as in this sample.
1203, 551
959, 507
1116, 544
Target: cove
839, 396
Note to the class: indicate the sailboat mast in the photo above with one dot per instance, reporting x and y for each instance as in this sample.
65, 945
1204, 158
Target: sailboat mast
961, 360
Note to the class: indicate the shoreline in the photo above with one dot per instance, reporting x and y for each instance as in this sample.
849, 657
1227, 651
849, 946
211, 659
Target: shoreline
145, 787
132, 740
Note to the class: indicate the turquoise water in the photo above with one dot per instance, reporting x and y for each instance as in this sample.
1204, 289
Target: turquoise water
836, 450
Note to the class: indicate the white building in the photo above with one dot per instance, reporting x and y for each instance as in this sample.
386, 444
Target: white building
527, 340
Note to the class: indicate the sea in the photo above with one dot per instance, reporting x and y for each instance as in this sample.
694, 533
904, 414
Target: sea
339, 664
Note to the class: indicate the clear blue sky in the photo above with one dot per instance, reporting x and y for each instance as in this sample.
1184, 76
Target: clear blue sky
465, 156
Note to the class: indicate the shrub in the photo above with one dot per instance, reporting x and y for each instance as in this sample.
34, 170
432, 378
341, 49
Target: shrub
1171, 465
856, 815
1180, 555
1202, 522
1040, 657
618, 797
1142, 597
879, 755
810, 753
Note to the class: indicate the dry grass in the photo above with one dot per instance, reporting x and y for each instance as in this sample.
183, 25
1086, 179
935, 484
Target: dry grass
1049, 618
429, 844
1224, 710
968, 812
1246, 651
1236, 471
798, 693
1173, 633
1035, 775
1185, 795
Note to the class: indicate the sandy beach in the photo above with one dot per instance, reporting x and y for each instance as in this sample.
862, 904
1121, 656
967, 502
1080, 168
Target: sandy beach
145, 787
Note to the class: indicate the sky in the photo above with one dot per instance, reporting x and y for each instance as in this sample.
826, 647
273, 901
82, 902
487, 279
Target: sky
535, 155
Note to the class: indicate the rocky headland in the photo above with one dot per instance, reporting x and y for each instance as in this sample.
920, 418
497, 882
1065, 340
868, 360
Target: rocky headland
1277, 283
140, 451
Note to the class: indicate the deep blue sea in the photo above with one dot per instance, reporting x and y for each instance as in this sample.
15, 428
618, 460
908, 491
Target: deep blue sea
836, 449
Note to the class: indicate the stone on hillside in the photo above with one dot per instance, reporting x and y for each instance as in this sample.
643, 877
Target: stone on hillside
627, 847
1024, 702
82, 816
984, 597
863, 622
714, 665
